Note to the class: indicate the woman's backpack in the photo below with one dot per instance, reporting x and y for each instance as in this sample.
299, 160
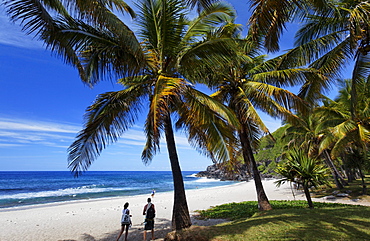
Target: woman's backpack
125, 218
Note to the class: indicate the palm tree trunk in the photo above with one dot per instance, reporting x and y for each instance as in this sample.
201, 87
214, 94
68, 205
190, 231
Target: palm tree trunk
338, 178
364, 189
308, 196
180, 213
263, 202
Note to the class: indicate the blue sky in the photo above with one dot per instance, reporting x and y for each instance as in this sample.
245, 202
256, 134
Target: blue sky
42, 106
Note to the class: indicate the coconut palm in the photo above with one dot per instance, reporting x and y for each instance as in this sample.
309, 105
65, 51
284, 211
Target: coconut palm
305, 135
330, 39
250, 83
152, 67
303, 170
169, 43
345, 134
332, 35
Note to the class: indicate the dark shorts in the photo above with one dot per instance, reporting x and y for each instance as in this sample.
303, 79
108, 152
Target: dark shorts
149, 224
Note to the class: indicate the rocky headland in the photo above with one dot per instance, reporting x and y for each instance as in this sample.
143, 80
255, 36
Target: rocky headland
217, 171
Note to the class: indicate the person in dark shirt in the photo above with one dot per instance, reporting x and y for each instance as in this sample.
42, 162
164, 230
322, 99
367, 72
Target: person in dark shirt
149, 212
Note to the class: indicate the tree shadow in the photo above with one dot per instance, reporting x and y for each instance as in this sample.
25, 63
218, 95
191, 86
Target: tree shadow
161, 228
349, 223
135, 233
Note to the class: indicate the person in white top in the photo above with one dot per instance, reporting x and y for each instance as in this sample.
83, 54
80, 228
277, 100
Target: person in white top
125, 224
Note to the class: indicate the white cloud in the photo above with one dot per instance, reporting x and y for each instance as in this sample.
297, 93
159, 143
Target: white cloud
36, 126
9, 145
12, 34
22, 132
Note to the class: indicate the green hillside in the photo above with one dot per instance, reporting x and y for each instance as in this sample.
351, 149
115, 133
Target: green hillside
270, 151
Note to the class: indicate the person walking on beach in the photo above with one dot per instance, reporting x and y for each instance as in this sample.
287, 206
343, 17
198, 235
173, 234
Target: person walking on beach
149, 212
153, 192
125, 221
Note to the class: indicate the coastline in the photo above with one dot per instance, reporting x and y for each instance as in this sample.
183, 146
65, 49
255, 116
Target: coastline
55, 187
99, 219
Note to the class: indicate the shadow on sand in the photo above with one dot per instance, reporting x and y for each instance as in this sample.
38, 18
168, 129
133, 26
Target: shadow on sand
135, 233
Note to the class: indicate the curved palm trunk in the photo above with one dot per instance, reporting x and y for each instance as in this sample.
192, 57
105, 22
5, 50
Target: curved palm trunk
263, 202
364, 189
308, 196
180, 212
338, 178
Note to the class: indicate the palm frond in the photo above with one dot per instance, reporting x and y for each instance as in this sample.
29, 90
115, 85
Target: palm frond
102, 52
360, 72
39, 18
165, 88
210, 55
111, 115
276, 101
269, 18
211, 17
199, 4
162, 25
344, 141
34, 15
331, 22
209, 125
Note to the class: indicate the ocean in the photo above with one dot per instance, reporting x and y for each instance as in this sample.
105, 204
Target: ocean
28, 188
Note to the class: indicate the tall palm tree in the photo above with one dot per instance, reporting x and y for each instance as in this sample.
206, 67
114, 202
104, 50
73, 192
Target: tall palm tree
152, 67
170, 46
250, 83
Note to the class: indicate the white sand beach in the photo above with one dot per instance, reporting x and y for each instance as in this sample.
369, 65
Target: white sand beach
99, 219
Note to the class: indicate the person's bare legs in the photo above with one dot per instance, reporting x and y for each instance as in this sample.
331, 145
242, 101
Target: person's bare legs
144, 235
126, 232
152, 234
120, 233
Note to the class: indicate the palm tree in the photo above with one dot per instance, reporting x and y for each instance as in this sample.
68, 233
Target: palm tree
152, 67
303, 170
171, 50
347, 135
331, 38
249, 84
333, 34
305, 135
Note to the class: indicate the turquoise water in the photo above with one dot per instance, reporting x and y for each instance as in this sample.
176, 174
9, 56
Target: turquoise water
26, 188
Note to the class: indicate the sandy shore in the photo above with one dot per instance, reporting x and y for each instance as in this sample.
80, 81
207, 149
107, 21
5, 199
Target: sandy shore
99, 219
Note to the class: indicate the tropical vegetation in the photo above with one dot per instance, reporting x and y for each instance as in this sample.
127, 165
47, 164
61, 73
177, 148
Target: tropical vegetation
251, 83
161, 63
303, 170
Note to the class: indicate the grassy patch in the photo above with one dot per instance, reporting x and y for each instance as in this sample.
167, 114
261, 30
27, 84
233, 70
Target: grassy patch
289, 220
235, 211
354, 190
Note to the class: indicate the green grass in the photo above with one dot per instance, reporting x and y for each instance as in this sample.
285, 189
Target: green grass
234, 211
354, 189
289, 220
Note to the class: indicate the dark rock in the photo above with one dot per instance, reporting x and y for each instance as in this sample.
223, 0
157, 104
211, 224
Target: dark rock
218, 172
